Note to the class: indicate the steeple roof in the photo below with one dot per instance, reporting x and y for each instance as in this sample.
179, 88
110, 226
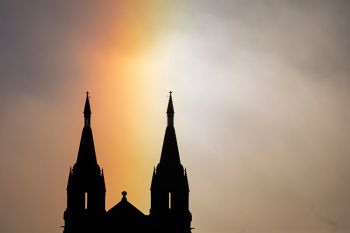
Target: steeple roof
86, 154
170, 152
170, 109
87, 110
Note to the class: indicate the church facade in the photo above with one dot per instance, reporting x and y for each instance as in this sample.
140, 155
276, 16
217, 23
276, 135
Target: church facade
86, 191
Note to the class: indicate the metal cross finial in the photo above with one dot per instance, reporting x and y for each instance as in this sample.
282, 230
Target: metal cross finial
170, 92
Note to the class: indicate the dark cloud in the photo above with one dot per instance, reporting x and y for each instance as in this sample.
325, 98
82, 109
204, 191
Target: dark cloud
39, 43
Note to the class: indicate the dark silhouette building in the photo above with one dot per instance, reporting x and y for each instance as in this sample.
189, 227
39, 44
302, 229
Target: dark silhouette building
86, 191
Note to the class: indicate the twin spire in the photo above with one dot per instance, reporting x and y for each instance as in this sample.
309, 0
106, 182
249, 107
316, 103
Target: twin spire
87, 111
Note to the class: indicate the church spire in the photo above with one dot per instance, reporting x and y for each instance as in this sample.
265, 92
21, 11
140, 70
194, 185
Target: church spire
87, 111
170, 151
170, 111
86, 186
169, 186
86, 153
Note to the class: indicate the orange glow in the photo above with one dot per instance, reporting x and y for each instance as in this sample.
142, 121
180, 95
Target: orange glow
118, 78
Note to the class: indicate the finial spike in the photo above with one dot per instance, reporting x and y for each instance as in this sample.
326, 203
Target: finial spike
170, 110
124, 193
87, 110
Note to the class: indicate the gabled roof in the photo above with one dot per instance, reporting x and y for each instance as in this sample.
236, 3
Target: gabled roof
124, 209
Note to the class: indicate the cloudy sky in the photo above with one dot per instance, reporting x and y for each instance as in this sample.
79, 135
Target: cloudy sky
261, 92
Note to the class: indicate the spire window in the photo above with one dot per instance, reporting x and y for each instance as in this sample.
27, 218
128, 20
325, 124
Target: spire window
169, 201
85, 201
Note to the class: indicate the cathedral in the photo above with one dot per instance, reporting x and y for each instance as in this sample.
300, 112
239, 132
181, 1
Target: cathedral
86, 191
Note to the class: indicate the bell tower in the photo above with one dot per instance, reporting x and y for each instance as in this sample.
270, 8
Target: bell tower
86, 186
169, 189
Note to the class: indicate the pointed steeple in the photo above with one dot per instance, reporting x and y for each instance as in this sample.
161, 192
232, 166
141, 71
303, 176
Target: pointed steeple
170, 152
169, 186
86, 189
87, 111
170, 111
86, 153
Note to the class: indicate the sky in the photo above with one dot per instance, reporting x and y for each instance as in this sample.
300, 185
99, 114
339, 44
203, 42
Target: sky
261, 92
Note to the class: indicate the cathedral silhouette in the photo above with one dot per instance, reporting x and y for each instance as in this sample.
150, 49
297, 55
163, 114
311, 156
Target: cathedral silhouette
86, 191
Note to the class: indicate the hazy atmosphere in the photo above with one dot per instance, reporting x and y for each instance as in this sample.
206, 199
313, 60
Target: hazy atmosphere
261, 93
